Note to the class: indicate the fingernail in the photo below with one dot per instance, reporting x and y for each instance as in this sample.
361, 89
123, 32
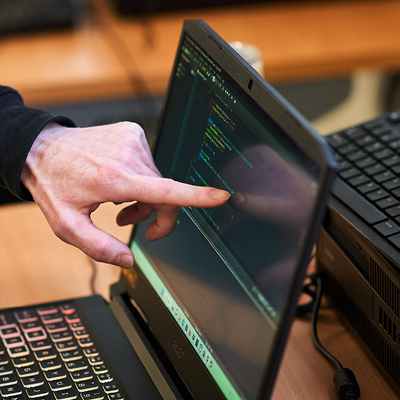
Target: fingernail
125, 261
220, 195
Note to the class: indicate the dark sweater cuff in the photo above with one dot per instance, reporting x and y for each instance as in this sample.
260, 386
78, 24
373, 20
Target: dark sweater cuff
19, 127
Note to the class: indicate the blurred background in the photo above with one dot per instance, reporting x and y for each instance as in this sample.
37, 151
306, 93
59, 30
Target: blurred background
103, 61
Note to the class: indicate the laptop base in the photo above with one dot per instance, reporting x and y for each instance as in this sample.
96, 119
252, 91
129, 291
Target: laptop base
368, 300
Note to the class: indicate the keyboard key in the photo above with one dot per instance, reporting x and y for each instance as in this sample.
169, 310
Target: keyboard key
350, 148
375, 169
31, 326
388, 137
111, 388
95, 360
387, 228
15, 341
395, 240
78, 365
7, 320
83, 333
25, 316
76, 326
384, 176
367, 188
396, 193
57, 327
336, 140
392, 184
394, 117
84, 386
93, 395
9, 331
42, 355
11, 391
90, 351
55, 374
37, 392
394, 211
72, 318
365, 139
375, 147
366, 162
115, 396
67, 309
396, 169
365, 210
19, 351
60, 384
6, 369
32, 381
4, 359
66, 346
52, 318
40, 345
353, 132
359, 180
349, 173
380, 130
26, 361
393, 160
85, 342
71, 355
100, 369
47, 310
386, 203
61, 336
36, 335
9, 379
395, 145
28, 371
356, 156
48, 365
105, 378
69, 394
377, 195
81, 375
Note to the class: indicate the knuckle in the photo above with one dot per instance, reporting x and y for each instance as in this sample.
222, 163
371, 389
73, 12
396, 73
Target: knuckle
98, 250
167, 189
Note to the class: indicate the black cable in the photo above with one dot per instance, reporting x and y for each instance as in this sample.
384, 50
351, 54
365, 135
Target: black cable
314, 315
93, 276
344, 379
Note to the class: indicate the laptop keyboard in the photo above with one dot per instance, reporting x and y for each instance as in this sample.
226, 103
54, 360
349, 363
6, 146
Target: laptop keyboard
47, 353
368, 179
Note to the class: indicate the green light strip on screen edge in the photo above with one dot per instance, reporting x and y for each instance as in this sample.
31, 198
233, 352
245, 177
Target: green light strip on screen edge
214, 369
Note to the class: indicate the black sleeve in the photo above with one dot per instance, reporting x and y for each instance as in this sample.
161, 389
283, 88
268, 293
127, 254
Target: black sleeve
19, 126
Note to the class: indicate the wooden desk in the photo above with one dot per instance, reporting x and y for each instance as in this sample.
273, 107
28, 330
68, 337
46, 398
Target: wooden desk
36, 267
109, 57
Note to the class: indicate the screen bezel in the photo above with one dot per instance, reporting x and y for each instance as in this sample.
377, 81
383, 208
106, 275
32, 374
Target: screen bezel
190, 367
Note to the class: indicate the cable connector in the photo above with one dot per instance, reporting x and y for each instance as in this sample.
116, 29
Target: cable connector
346, 384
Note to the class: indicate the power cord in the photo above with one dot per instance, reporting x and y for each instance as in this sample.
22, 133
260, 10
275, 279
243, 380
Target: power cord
344, 379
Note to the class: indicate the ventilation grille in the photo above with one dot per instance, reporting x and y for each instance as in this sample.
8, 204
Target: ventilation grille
384, 286
369, 334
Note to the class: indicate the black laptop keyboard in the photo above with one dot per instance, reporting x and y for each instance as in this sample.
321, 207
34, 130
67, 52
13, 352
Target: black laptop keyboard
47, 353
368, 179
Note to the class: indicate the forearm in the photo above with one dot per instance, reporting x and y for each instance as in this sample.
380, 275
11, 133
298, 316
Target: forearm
19, 127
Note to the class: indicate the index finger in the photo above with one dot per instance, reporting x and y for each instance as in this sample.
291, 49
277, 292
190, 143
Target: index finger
155, 190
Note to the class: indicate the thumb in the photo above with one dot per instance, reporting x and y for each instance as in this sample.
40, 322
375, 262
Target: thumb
97, 244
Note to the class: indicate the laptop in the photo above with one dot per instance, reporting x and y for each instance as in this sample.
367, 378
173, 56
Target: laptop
204, 313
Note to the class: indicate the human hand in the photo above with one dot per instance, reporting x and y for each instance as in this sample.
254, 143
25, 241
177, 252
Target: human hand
71, 171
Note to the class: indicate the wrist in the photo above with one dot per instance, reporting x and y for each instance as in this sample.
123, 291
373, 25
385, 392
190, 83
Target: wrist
29, 170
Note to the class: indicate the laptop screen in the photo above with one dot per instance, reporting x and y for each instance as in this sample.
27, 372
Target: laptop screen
225, 274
